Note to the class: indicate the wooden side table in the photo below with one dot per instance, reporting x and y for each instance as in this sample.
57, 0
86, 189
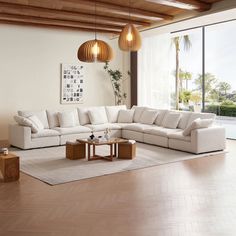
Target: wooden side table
126, 150
75, 150
4, 144
10, 167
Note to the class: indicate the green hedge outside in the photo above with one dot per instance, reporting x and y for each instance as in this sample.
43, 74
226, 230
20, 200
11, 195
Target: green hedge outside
222, 110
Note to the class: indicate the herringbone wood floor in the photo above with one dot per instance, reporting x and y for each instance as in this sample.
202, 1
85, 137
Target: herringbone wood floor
195, 197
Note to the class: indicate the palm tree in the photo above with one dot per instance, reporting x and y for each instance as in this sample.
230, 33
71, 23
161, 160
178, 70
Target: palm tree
209, 83
177, 41
187, 76
224, 86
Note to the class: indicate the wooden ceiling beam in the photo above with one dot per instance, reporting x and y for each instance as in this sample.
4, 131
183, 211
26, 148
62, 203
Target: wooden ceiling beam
64, 21
20, 8
118, 9
42, 21
12, 22
185, 4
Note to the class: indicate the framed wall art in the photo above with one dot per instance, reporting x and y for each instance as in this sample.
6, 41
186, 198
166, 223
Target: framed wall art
72, 84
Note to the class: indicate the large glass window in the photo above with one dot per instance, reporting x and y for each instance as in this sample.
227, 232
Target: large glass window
220, 56
191, 71
187, 69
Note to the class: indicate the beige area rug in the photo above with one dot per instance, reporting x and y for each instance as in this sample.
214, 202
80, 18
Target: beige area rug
50, 165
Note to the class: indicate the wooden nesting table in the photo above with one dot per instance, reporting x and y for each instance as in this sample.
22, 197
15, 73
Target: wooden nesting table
112, 143
9, 166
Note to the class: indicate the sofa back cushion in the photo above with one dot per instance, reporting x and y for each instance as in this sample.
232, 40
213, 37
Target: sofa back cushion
97, 115
137, 113
171, 120
41, 115
198, 124
148, 117
126, 116
185, 115
66, 119
83, 115
160, 116
113, 112
53, 120
195, 115
37, 122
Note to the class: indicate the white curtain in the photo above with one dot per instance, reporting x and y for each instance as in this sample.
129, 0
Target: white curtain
156, 83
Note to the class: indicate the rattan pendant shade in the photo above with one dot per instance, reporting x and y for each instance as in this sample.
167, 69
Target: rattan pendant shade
95, 51
130, 39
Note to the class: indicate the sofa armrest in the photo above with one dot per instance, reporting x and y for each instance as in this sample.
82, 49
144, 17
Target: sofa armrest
209, 139
19, 136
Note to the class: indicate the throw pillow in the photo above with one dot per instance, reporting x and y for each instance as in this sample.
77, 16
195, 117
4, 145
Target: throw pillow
83, 115
113, 112
37, 122
195, 115
26, 122
198, 124
53, 119
125, 116
148, 117
171, 120
160, 117
66, 119
138, 112
97, 115
42, 116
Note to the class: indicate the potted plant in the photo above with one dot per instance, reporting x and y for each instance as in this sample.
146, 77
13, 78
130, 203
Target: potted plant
117, 81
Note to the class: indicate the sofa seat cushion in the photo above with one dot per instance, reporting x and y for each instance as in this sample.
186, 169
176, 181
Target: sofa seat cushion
179, 135
160, 131
124, 125
73, 130
103, 127
138, 127
45, 133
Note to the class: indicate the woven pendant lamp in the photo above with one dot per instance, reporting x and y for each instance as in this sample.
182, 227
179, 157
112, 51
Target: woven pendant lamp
95, 50
130, 39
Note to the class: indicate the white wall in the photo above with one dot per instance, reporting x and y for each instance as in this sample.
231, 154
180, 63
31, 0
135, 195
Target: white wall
30, 70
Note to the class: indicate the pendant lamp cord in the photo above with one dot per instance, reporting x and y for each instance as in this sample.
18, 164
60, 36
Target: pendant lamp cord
129, 10
95, 17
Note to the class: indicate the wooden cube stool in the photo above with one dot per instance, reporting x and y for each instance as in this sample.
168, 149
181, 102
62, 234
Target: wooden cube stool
75, 150
10, 167
126, 150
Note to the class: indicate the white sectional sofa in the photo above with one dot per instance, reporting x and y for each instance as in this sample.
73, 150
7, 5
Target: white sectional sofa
185, 131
